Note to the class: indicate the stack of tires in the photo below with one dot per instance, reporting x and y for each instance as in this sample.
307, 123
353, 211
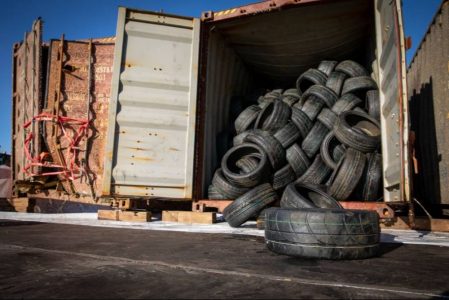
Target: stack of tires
309, 146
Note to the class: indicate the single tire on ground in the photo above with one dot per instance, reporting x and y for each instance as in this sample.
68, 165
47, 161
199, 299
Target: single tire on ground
249, 204
303, 195
323, 233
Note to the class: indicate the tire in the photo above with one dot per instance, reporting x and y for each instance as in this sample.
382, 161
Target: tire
248, 163
239, 139
290, 97
359, 86
301, 195
302, 121
249, 204
297, 160
347, 174
323, 233
358, 130
271, 146
213, 193
311, 144
264, 104
287, 135
224, 187
345, 103
338, 152
297, 105
327, 151
317, 173
373, 104
283, 177
327, 66
309, 78
232, 171
273, 117
351, 68
372, 179
260, 223
247, 118
312, 107
328, 118
273, 95
328, 96
335, 82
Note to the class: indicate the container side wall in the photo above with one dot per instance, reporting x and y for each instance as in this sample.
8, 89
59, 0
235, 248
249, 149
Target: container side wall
152, 117
428, 89
391, 66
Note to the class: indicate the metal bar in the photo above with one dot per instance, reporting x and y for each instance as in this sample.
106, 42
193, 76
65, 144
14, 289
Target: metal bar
33, 86
89, 99
25, 44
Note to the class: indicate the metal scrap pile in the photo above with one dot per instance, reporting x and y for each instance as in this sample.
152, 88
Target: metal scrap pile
310, 146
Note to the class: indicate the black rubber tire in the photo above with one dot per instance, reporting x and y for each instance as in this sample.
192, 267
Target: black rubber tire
312, 107
358, 130
249, 204
248, 163
360, 110
328, 96
372, 179
347, 174
311, 144
373, 104
297, 105
327, 150
297, 160
264, 104
273, 117
335, 82
287, 135
317, 173
303, 195
239, 139
309, 78
213, 193
273, 95
322, 233
232, 171
271, 146
351, 68
345, 103
260, 222
283, 177
328, 118
290, 97
224, 187
338, 152
359, 86
247, 118
327, 66
302, 121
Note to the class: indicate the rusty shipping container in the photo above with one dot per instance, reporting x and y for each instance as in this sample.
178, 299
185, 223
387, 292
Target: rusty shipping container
428, 89
175, 80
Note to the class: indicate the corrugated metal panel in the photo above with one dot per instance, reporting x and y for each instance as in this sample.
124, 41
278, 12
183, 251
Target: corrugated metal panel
152, 114
82, 96
227, 78
27, 97
428, 88
394, 120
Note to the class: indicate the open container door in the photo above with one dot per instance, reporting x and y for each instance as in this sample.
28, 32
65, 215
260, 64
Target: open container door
393, 98
151, 132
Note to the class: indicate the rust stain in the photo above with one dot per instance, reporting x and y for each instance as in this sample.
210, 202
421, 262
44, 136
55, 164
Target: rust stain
173, 149
142, 158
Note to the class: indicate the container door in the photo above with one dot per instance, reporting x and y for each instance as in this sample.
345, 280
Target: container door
27, 97
150, 142
393, 97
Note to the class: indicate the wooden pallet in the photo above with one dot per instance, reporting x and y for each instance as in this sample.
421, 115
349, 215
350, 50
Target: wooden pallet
189, 217
124, 215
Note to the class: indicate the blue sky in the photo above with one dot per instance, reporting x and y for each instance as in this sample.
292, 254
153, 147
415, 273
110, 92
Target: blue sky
82, 19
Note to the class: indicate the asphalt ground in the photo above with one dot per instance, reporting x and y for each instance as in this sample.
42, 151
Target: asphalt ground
45, 260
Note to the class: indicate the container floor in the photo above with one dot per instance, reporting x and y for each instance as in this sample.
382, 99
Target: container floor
54, 260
